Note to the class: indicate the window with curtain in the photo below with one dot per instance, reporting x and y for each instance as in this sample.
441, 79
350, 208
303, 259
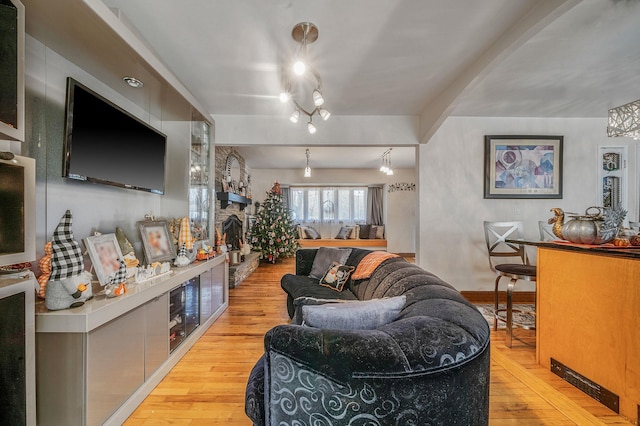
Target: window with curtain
328, 204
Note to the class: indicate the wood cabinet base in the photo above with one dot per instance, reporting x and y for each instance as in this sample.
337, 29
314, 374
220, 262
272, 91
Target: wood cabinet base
588, 321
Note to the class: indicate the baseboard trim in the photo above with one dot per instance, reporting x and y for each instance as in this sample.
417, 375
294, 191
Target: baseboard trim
488, 296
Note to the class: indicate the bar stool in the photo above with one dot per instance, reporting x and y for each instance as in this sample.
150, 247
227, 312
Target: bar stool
496, 234
546, 233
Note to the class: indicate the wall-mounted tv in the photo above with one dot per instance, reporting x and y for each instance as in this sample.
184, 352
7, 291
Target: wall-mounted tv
105, 144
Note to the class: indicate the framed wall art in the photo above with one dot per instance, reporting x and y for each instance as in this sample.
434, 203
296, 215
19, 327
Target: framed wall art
105, 255
523, 166
156, 241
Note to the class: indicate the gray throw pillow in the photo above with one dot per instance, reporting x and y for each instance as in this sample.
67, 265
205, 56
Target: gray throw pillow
325, 257
311, 233
305, 300
353, 315
344, 233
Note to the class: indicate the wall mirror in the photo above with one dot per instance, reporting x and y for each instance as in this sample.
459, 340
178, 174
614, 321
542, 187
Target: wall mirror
234, 174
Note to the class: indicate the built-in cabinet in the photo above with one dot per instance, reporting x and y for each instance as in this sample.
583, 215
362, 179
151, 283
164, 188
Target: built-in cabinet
96, 363
184, 311
17, 353
200, 183
12, 70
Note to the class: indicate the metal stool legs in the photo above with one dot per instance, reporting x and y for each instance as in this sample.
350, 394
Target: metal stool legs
508, 310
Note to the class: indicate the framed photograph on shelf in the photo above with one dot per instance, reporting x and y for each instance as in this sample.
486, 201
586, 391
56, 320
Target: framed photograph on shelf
105, 255
523, 166
156, 241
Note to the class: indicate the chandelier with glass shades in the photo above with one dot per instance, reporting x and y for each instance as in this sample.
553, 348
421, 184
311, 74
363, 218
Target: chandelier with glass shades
625, 120
301, 79
386, 163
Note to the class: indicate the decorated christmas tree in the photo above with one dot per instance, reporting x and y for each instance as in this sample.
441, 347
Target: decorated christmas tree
273, 233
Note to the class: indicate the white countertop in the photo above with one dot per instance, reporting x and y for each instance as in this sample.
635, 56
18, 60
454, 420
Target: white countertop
100, 309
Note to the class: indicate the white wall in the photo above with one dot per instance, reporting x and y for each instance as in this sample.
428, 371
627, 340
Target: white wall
94, 207
451, 176
400, 209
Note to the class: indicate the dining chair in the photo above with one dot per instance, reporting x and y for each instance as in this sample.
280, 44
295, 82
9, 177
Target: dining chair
496, 235
546, 233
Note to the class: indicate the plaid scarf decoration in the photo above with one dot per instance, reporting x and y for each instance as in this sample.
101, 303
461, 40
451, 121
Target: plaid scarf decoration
66, 259
185, 234
120, 275
182, 251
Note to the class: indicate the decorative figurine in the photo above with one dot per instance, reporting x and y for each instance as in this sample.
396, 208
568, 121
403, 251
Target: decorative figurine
590, 228
117, 284
45, 268
128, 253
69, 285
185, 241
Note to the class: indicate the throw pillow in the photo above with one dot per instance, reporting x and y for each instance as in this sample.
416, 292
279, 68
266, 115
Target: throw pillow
376, 232
344, 233
337, 276
306, 300
364, 232
354, 232
370, 263
356, 315
312, 233
325, 257
301, 234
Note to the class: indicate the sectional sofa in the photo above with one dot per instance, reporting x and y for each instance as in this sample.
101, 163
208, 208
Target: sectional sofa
395, 346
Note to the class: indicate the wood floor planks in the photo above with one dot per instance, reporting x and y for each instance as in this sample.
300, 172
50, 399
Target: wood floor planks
207, 386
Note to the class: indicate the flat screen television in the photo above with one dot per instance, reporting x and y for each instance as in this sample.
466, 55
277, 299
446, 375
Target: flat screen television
105, 144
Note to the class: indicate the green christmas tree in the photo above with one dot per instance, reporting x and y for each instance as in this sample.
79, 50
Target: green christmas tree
273, 234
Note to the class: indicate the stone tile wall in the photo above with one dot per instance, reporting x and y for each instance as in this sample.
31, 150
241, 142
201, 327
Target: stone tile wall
221, 154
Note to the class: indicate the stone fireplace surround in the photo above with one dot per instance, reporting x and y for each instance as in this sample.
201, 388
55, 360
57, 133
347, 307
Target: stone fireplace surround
233, 213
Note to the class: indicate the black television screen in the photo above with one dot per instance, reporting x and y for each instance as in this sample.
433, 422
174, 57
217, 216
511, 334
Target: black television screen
105, 144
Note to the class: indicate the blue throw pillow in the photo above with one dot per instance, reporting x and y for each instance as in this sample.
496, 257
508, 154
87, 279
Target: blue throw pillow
353, 315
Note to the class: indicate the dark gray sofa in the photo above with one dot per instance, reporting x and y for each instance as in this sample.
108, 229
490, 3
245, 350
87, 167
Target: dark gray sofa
428, 367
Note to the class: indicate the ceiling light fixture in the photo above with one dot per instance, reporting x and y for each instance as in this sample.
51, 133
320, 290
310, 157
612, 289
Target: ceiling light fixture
307, 170
304, 33
625, 120
386, 163
133, 82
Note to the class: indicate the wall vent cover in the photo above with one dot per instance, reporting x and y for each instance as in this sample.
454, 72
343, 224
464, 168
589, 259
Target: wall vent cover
588, 386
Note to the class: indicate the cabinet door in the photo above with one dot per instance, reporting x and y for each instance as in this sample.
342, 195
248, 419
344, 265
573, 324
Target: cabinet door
156, 349
192, 304
177, 323
13, 395
219, 285
12, 70
115, 364
206, 296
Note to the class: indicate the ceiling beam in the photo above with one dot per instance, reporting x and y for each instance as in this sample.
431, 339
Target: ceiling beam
340, 130
539, 17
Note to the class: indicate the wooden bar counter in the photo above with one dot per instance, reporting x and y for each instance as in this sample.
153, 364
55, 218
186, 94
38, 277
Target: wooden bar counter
588, 320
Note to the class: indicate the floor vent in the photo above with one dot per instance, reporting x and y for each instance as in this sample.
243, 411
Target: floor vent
591, 388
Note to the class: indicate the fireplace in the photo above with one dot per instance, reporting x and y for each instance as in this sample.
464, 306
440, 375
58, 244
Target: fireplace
232, 226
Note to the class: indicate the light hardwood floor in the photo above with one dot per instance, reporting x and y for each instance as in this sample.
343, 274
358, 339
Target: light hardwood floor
207, 386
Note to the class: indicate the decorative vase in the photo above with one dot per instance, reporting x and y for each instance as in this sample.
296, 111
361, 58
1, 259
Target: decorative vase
594, 227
